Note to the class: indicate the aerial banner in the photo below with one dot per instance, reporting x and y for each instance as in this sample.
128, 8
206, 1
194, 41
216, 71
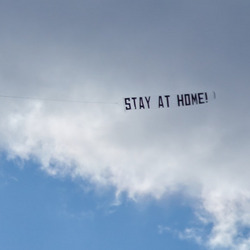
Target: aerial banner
167, 101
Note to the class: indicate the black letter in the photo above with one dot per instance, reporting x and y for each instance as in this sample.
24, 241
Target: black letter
187, 100
200, 98
134, 98
147, 100
167, 99
194, 99
180, 100
160, 102
141, 104
127, 103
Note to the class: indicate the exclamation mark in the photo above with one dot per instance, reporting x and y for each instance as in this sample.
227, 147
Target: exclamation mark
206, 97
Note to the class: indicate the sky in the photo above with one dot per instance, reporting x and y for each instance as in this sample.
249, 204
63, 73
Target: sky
78, 170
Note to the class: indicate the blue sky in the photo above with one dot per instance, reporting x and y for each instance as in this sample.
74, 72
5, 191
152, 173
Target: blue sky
40, 212
83, 173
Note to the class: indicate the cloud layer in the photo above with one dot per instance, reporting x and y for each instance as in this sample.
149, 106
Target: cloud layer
96, 51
